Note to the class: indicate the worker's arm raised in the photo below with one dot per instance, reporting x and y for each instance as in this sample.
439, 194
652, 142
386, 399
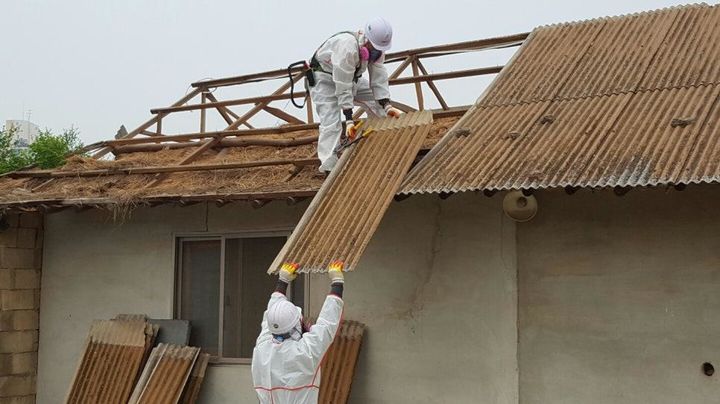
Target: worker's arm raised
322, 333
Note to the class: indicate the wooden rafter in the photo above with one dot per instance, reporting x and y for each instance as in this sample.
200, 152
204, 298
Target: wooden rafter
166, 140
210, 140
418, 88
161, 169
224, 142
429, 51
283, 115
203, 112
432, 85
277, 96
260, 105
152, 120
223, 110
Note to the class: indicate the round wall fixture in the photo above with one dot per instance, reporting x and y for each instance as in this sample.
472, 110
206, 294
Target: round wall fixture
520, 207
708, 369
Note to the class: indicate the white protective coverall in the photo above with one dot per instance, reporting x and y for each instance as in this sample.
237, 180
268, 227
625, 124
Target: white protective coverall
336, 89
288, 372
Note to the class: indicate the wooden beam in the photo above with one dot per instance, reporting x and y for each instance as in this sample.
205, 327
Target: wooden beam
203, 147
451, 112
432, 86
29, 204
259, 106
231, 81
162, 169
151, 121
203, 112
196, 135
283, 115
223, 110
278, 95
403, 107
158, 129
223, 143
226, 103
308, 107
167, 141
401, 68
418, 87
449, 75
515, 39
293, 173
510, 40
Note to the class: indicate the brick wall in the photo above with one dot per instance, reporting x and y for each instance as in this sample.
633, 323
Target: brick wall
20, 263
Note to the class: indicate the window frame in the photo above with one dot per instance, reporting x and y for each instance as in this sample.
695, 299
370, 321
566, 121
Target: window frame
179, 238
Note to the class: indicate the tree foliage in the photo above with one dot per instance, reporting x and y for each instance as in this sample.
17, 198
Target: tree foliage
48, 151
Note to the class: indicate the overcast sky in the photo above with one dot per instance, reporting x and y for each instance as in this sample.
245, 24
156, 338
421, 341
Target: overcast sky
96, 64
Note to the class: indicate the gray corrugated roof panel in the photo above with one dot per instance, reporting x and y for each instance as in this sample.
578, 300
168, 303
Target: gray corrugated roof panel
621, 101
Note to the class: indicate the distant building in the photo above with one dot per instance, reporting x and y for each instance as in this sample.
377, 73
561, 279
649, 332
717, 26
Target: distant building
27, 131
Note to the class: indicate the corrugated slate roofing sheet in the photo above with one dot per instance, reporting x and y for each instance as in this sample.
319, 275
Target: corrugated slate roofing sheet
165, 375
344, 214
111, 361
620, 101
338, 366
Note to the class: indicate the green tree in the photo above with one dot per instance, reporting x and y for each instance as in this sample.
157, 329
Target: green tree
11, 157
48, 151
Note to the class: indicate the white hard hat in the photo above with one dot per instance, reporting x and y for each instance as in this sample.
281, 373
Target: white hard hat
282, 317
379, 33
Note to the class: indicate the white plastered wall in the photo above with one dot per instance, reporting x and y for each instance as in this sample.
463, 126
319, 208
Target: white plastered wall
620, 297
436, 288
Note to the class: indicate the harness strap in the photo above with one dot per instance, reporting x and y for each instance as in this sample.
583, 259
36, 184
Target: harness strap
317, 67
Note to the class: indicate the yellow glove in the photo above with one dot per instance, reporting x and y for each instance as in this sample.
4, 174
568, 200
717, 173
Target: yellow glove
392, 111
335, 272
351, 130
287, 272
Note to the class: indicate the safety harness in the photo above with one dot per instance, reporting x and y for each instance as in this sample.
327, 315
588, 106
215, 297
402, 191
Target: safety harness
315, 63
316, 67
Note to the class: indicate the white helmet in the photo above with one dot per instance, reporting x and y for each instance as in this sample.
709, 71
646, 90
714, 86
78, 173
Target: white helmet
379, 33
283, 316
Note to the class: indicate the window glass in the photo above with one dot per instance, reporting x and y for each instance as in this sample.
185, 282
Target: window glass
237, 274
200, 278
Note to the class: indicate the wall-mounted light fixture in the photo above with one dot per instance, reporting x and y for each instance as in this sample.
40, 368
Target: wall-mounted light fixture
520, 206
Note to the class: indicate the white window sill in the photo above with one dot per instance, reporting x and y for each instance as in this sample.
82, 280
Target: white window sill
217, 361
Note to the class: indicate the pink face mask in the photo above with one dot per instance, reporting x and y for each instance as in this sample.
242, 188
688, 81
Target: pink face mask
364, 54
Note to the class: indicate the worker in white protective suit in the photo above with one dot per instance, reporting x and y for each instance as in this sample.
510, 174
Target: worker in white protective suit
287, 355
338, 66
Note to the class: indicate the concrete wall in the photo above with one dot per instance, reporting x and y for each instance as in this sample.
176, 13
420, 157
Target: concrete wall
96, 269
436, 288
619, 297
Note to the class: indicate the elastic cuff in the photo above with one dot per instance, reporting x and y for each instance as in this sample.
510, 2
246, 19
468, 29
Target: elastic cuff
337, 289
281, 287
348, 114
